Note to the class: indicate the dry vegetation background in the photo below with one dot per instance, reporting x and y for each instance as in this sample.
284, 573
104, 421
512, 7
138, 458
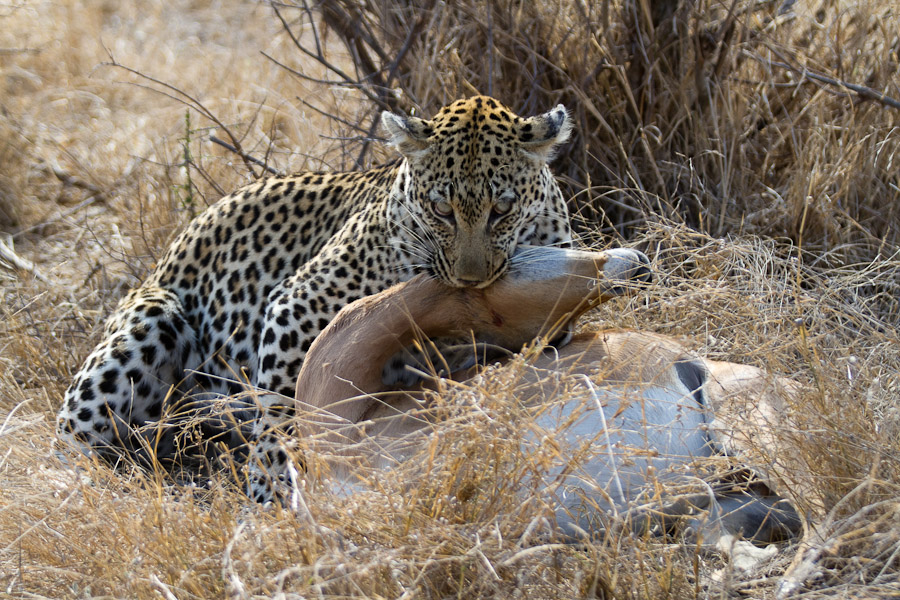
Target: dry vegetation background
719, 136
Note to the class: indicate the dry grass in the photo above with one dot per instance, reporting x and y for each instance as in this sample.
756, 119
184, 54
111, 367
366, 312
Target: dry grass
766, 200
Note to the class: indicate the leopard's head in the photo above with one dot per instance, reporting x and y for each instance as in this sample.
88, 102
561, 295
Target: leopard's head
475, 184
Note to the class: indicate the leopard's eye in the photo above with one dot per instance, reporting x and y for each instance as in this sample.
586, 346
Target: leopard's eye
442, 208
503, 206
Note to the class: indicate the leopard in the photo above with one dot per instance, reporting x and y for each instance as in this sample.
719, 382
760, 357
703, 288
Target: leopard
244, 289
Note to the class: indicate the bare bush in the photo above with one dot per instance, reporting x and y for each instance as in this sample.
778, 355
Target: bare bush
728, 116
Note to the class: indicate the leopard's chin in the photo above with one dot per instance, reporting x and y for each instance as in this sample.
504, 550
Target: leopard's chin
478, 285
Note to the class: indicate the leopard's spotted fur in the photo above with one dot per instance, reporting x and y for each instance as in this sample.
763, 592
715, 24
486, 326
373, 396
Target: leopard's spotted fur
246, 287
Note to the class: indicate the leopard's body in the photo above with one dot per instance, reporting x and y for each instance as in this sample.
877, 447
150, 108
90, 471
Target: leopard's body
245, 288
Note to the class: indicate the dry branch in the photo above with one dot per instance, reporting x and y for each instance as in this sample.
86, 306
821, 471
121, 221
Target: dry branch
861, 90
9, 255
174, 92
244, 155
69, 179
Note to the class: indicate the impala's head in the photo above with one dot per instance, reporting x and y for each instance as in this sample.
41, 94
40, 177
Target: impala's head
476, 184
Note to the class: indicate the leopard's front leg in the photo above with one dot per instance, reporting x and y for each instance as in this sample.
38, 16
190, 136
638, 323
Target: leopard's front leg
298, 310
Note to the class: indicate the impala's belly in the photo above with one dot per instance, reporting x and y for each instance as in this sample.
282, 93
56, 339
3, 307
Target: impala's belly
611, 456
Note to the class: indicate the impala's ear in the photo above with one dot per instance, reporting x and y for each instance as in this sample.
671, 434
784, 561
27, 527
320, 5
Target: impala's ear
408, 134
540, 136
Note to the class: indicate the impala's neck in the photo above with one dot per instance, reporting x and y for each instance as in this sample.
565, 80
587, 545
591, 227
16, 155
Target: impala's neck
545, 289
346, 359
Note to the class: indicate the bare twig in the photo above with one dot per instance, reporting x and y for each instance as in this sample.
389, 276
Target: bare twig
13, 51
861, 90
8, 254
331, 116
162, 588
377, 66
327, 82
208, 179
58, 217
69, 179
319, 56
244, 155
183, 97
393, 68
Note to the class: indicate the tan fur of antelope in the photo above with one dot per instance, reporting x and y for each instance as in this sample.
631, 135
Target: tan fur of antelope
663, 409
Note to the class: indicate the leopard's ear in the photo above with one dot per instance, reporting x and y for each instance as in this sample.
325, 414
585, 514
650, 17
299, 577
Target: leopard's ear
410, 135
541, 136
